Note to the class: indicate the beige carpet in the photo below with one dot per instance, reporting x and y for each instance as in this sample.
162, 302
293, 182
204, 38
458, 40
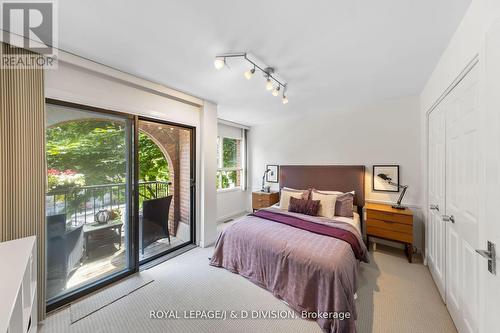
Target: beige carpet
394, 296
95, 302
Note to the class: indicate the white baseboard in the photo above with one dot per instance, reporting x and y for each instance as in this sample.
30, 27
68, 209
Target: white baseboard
224, 218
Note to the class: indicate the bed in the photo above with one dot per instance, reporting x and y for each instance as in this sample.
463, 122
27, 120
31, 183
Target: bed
309, 262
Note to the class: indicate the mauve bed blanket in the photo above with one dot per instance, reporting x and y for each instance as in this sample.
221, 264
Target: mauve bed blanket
312, 272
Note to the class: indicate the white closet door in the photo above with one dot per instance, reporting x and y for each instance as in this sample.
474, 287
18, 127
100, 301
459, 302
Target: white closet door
462, 203
436, 235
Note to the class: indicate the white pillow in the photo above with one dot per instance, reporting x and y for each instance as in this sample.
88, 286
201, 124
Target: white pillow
326, 205
329, 192
286, 195
334, 192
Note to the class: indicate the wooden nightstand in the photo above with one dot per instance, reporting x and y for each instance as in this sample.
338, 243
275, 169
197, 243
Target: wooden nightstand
264, 199
383, 221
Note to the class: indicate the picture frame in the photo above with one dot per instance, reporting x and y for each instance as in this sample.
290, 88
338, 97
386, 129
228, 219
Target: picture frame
272, 176
381, 185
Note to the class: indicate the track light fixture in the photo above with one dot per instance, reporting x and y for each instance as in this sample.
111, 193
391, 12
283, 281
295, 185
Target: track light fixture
249, 73
220, 62
276, 91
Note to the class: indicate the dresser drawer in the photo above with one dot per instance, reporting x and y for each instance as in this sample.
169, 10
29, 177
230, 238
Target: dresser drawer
389, 225
263, 200
387, 216
389, 234
258, 205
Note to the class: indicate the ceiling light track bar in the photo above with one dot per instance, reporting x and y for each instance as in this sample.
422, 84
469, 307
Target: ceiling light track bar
266, 70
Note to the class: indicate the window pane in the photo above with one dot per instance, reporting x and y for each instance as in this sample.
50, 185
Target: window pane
87, 197
230, 153
228, 179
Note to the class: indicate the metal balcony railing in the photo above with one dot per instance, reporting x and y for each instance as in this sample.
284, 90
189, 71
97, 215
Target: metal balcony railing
80, 204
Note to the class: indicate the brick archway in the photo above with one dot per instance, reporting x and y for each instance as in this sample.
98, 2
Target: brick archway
173, 219
175, 145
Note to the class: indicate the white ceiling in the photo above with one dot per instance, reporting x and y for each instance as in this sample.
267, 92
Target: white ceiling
332, 53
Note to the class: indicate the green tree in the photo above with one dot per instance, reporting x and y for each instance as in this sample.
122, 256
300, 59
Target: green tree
97, 149
229, 155
153, 165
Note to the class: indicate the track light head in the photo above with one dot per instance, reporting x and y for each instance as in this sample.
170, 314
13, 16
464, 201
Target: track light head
249, 73
276, 91
269, 84
219, 62
285, 99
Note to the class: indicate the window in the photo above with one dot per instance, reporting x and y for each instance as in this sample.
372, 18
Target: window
229, 163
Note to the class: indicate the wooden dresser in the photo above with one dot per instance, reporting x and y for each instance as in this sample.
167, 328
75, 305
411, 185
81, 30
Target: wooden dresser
383, 221
264, 199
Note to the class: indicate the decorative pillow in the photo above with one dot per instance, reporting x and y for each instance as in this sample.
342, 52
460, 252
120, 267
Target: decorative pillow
287, 193
327, 203
304, 206
344, 204
306, 193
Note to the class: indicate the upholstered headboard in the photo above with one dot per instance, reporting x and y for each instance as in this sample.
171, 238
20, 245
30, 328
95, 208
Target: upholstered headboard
343, 178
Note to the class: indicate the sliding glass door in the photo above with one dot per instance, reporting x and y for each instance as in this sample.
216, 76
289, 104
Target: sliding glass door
88, 200
119, 193
165, 173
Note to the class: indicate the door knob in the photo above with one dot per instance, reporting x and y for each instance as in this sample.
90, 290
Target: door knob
449, 218
434, 207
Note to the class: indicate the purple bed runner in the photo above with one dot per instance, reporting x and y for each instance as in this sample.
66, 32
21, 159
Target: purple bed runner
317, 228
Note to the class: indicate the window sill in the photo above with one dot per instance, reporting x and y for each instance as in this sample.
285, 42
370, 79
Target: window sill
233, 189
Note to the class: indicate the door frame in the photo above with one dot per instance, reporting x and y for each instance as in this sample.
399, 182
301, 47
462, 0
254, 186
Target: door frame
133, 201
192, 171
442, 290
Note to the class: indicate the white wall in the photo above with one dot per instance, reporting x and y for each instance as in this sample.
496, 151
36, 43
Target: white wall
81, 81
230, 202
380, 133
208, 161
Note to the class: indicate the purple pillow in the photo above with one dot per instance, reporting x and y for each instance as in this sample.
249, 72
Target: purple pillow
303, 206
343, 205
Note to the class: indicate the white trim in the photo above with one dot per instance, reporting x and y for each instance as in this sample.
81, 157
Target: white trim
454, 83
232, 189
230, 123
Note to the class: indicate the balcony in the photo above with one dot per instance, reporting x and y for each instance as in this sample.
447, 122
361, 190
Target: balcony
80, 249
